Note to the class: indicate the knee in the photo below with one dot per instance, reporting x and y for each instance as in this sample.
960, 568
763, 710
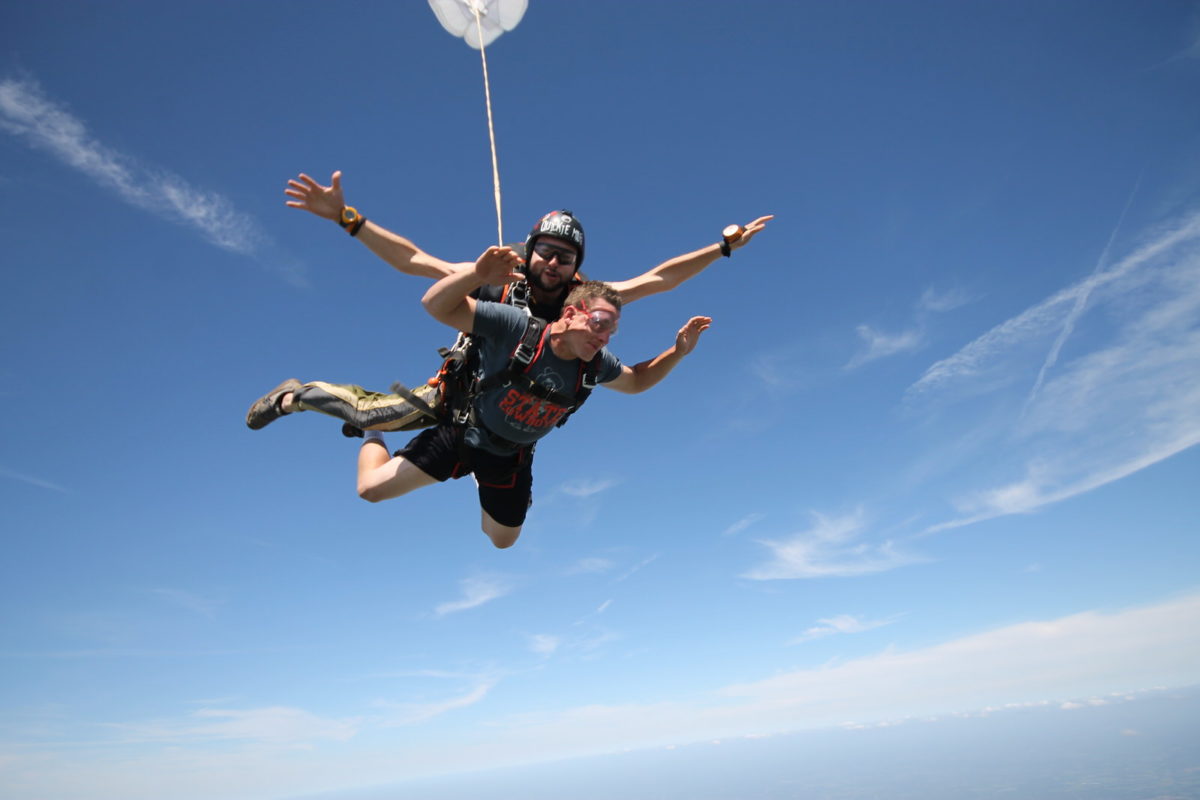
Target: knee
503, 539
369, 492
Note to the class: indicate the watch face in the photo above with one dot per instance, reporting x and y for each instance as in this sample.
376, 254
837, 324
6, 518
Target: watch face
732, 233
349, 215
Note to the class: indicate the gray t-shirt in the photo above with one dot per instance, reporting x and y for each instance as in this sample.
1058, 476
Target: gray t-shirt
508, 411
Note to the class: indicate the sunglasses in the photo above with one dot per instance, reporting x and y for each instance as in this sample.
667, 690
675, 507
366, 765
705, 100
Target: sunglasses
566, 258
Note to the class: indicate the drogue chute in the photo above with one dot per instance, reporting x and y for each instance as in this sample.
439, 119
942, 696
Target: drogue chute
495, 17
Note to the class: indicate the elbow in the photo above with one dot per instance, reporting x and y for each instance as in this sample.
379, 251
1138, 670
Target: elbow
431, 308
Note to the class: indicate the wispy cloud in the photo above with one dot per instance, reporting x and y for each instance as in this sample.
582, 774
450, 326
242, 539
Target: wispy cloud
196, 603
842, 623
743, 523
1080, 304
942, 300
638, 567
989, 351
544, 644
1129, 398
591, 566
415, 713
584, 641
588, 488
832, 547
475, 592
32, 481
273, 725
29, 114
878, 344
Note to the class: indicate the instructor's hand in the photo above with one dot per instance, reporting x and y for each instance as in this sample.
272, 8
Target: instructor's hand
326, 202
750, 230
498, 266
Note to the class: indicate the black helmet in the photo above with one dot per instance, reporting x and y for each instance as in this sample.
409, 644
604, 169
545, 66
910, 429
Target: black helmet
561, 225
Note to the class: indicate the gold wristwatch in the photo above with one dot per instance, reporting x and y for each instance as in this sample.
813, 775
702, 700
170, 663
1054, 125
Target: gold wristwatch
351, 220
731, 234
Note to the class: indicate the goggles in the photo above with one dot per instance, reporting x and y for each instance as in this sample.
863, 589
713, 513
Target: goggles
566, 257
600, 320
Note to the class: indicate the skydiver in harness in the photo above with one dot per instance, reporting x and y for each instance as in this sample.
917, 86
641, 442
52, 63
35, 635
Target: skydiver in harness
519, 400
553, 251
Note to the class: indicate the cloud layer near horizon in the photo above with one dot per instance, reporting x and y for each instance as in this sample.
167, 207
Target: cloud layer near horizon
1059, 661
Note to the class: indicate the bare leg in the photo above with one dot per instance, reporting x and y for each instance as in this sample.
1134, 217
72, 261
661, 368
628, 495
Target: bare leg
382, 477
502, 536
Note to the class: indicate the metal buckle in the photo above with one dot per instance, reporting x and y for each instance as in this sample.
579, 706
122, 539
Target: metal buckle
518, 295
524, 353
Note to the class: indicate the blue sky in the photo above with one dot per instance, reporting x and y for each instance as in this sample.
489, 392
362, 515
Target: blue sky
935, 457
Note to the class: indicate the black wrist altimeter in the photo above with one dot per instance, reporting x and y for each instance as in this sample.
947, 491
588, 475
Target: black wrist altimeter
728, 236
351, 220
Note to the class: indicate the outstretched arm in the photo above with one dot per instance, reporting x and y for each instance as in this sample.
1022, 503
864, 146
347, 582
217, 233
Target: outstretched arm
669, 274
641, 377
327, 202
448, 300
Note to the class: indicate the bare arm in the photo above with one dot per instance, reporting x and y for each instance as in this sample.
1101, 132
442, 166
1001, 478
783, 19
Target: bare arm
448, 300
641, 377
327, 202
671, 273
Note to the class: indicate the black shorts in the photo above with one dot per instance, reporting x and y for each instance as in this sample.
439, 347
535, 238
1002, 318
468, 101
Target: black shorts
505, 482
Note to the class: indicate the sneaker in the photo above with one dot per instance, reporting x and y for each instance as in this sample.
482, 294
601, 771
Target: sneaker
266, 408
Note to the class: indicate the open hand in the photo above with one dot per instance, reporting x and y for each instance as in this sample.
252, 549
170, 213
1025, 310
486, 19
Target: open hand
498, 265
324, 201
689, 334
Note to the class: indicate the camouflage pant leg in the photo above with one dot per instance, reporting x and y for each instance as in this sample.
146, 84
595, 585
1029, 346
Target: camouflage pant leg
368, 410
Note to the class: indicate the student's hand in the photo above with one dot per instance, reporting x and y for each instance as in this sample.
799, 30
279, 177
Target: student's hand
498, 265
326, 202
689, 334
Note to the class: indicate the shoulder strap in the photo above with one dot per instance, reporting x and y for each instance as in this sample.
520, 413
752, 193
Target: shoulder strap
523, 355
517, 294
588, 374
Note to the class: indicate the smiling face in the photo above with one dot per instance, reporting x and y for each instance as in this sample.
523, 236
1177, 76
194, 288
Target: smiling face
548, 269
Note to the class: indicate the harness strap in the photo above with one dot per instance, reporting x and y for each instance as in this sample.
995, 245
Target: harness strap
588, 380
516, 295
528, 348
461, 388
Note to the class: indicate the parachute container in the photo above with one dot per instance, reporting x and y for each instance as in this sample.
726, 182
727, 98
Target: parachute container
495, 17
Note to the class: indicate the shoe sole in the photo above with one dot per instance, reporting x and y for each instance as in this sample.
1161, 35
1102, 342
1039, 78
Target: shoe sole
265, 409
